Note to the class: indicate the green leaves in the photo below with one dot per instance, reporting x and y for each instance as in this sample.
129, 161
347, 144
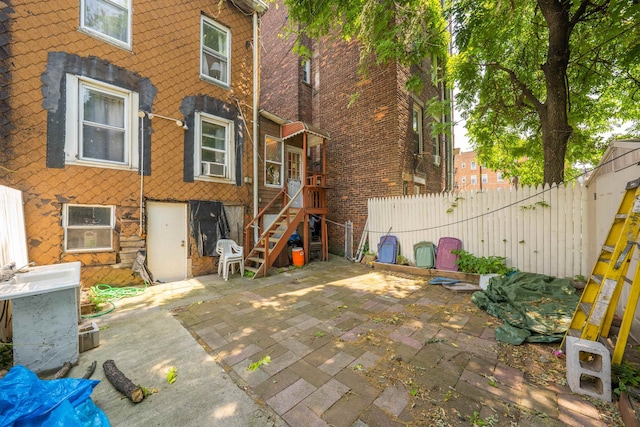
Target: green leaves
502, 53
264, 361
172, 375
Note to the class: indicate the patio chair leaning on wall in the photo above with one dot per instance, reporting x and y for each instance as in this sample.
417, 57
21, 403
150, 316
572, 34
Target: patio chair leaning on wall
230, 255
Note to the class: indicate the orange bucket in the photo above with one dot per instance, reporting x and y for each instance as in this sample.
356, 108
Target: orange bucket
298, 257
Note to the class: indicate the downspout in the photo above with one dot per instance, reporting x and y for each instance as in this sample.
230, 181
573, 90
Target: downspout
256, 136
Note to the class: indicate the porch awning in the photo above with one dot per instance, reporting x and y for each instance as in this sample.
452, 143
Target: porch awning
315, 136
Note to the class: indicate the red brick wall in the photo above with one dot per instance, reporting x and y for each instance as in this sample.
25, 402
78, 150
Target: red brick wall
279, 67
166, 46
364, 153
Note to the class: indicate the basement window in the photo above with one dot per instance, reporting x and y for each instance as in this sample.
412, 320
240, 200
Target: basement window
88, 228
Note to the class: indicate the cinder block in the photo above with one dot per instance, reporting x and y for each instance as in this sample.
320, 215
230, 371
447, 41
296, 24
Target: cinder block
589, 368
89, 337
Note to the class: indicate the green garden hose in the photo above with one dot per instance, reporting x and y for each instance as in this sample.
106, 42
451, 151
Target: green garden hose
107, 294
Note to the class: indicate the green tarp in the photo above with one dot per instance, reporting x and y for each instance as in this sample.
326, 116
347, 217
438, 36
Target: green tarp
535, 308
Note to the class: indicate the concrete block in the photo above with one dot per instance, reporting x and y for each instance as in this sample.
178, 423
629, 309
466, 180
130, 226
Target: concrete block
589, 368
89, 337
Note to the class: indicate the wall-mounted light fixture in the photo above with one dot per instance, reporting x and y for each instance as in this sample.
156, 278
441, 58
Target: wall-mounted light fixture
151, 116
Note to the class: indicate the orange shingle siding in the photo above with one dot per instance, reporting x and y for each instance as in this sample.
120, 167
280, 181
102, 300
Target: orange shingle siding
165, 49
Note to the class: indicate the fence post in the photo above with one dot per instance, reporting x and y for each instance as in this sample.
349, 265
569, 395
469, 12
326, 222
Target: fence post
348, 240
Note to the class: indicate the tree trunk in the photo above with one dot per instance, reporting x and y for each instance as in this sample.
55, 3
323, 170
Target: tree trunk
554, 116
121, 382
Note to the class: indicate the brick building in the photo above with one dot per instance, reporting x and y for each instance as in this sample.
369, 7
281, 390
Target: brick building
381, 144
470, 174
125, 129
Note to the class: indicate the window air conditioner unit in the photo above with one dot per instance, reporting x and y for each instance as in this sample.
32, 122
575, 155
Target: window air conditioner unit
214, 169
436, 160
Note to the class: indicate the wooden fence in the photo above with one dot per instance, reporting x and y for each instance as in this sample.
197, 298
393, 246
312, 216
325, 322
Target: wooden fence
537, 229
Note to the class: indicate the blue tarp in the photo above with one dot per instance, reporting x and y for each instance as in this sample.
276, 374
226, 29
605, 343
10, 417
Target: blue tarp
28, 401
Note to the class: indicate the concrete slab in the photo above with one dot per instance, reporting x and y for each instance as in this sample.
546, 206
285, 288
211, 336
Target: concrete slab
145, 342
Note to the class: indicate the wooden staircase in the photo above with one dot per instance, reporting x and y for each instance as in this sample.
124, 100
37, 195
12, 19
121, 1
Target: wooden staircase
274, 238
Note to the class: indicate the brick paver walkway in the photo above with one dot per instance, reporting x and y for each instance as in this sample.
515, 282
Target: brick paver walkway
351, 346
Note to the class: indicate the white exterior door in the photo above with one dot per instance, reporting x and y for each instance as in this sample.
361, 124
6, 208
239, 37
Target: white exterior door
167, 241
294, 174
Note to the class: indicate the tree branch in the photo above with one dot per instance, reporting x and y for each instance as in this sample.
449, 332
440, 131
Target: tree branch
582, 13
524, 88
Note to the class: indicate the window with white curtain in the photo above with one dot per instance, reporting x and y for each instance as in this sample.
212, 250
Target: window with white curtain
215, 41
108, 19
102, 124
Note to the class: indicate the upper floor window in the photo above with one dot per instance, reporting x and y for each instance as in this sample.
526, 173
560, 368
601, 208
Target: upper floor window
109, 19
273, 155
464, 165
473, 166
474, 180
464, 180
215, 43
215, 148
485, 178
306, 71
101, 124
499, 176
88, 228
416, 126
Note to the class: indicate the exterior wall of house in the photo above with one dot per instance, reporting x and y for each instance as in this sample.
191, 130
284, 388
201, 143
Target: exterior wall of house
279, 67
420, 172
467, 178
163, 66
267, 193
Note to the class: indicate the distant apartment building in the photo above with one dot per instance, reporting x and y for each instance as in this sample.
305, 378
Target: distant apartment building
470, 174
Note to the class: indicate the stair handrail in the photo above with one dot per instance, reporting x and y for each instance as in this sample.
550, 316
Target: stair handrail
260, 214
283, 211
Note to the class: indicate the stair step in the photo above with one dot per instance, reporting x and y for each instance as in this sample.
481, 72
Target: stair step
256, 260
259, 249
252, 269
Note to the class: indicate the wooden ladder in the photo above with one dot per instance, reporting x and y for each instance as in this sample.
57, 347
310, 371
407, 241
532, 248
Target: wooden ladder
594, 314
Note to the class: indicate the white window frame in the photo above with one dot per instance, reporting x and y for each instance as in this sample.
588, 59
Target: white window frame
73, 137
417, 123
499, 176
485, 178
474, 166
223, 82
267, 161
230, 161
474, 180
89, 228
127, 7
306, 71
464, 165
463, 180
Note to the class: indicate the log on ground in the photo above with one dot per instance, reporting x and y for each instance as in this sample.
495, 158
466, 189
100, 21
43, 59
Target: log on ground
123, 384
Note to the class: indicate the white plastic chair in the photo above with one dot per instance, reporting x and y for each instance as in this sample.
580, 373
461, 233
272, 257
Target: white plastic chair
230, 255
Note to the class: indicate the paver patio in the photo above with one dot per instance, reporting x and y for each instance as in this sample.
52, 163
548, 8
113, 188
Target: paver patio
352, 346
